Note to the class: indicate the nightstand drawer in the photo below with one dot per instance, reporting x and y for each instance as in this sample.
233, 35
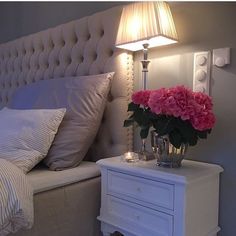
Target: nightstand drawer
141, 189
142, 219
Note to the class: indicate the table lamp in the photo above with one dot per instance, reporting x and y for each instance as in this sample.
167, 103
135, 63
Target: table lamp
145, 25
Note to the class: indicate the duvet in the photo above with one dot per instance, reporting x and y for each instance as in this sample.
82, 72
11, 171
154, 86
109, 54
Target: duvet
16, 199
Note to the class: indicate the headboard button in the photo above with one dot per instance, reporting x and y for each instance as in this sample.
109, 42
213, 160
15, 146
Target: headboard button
111, 53
103, 119
111, 142
95, 56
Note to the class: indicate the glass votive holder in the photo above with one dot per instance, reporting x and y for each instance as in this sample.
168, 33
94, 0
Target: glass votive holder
130, 157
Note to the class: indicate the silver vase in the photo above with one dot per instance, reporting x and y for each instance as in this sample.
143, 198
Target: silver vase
167, 155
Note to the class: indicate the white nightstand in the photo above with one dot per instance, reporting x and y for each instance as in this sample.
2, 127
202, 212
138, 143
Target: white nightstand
142, 199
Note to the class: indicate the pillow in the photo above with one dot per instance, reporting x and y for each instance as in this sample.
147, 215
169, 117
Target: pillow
84, 98
16, 199
26, 135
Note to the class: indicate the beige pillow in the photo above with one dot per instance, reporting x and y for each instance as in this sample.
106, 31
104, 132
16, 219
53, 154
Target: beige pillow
84, 98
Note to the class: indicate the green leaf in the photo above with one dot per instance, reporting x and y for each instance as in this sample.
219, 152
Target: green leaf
186, 129
133, 107
128, 122
202, 134
163, 124
189, 134
144, 131
138, 116
146, 118
193, 140
175, 138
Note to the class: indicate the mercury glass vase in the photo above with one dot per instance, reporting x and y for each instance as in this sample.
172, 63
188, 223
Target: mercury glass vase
166, 154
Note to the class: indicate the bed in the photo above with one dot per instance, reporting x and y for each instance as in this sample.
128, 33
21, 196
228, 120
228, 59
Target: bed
67, 202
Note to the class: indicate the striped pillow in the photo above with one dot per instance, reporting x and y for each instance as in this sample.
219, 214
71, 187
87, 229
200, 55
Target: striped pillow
16, 199
26, 135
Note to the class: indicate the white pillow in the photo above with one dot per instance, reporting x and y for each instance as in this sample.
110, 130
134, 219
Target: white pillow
26, 135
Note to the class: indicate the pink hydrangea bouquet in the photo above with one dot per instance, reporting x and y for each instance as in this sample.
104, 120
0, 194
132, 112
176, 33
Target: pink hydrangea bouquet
184, 115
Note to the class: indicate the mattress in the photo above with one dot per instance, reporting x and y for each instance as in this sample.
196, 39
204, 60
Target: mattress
43, 179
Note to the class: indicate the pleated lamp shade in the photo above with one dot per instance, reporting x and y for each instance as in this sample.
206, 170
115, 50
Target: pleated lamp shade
146, 22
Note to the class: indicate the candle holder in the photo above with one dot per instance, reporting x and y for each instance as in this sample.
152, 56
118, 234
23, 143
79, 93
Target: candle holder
130, 157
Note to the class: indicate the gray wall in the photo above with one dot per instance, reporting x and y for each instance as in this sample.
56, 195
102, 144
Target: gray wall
204, 26
201, 26
22, 18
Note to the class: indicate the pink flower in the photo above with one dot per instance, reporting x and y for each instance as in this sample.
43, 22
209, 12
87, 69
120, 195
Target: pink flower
182, 103
203, 121
174, 101
141, 97
203, 100
203, 118
156, 100
182, 97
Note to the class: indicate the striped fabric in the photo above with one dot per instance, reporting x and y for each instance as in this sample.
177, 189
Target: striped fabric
16, 199
26, 135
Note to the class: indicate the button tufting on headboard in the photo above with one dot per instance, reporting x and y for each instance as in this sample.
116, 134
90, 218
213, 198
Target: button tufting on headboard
81, 47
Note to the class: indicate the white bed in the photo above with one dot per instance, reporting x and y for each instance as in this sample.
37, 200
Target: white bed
42, 179
66, 203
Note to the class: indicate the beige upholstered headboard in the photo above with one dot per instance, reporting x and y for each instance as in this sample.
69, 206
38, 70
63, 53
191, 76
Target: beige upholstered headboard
81, 47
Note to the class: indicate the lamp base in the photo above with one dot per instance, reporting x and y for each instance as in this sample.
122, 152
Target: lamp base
145, 156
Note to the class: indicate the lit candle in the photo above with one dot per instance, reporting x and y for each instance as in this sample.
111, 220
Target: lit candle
130, 157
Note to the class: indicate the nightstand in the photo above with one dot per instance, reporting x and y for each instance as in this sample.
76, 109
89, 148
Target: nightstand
142, 199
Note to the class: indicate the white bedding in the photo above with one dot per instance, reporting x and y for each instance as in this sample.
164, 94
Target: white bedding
43, 179
16, 199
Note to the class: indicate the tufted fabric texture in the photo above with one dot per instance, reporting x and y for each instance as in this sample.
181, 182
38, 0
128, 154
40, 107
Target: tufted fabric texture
81, 47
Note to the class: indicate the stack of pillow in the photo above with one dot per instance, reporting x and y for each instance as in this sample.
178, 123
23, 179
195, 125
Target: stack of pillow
53, 120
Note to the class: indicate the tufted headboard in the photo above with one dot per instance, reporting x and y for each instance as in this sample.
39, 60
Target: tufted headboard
81, 47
